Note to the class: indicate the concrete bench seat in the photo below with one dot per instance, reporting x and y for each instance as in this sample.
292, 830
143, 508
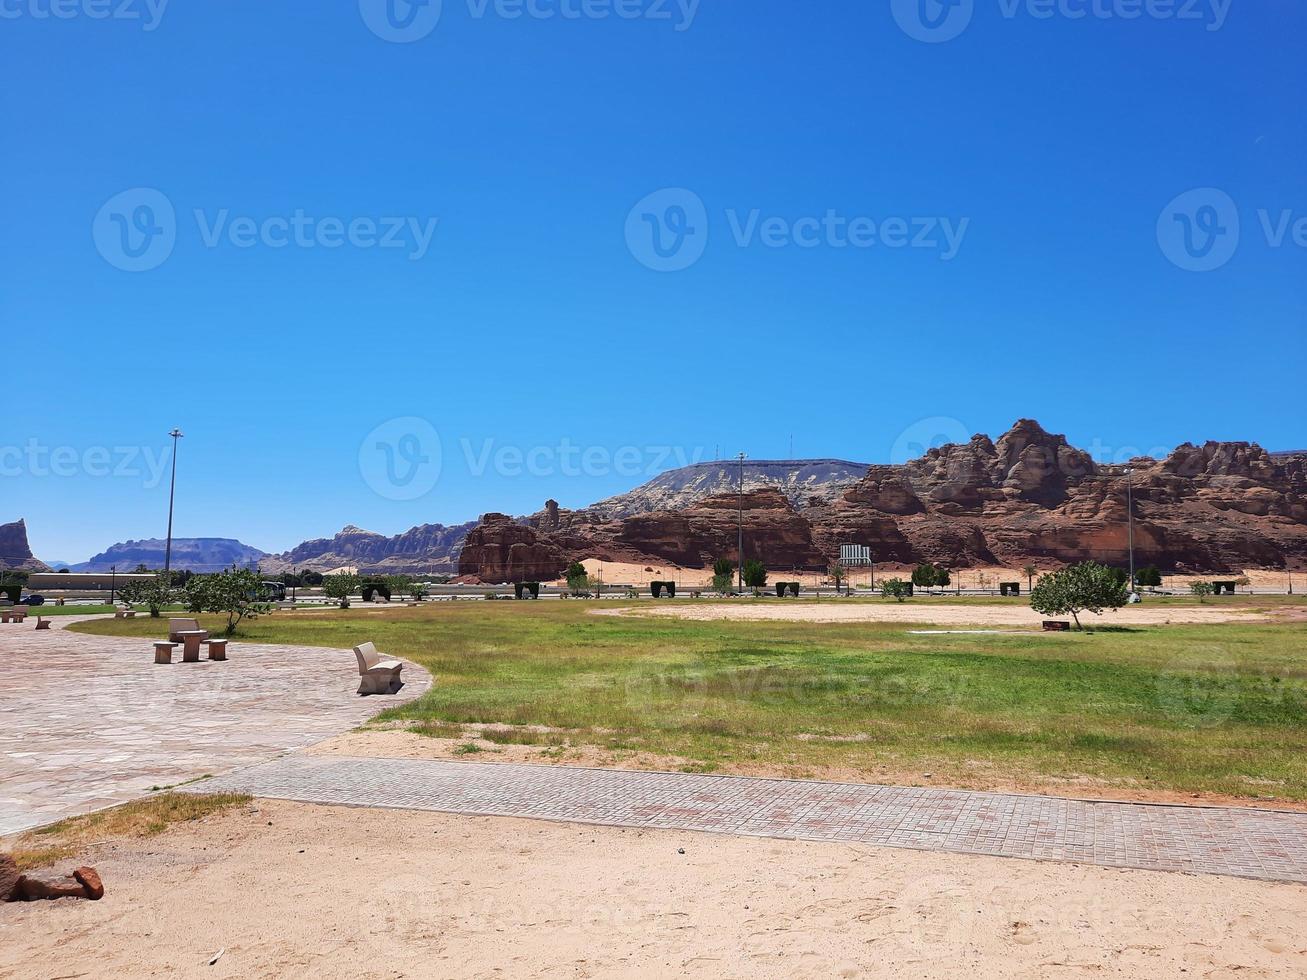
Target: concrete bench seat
163, 651
217, 649
378, 674
42, 623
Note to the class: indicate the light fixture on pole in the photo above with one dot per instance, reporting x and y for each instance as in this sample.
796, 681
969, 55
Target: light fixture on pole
172, 492
739, 553
113, 582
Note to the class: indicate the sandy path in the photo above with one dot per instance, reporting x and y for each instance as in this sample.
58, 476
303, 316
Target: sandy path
290, 889
925, 610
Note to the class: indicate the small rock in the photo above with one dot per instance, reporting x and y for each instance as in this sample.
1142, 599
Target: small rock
90, 879
9, 877
680, 850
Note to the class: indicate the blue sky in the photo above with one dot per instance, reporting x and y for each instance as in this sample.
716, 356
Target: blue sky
884, 241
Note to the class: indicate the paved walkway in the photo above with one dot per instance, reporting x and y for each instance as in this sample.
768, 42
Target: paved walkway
1248, 843
88, 722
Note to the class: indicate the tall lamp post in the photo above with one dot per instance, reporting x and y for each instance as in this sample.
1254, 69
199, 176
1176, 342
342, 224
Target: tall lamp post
739, 551
1130, 521
113, 582
172, 492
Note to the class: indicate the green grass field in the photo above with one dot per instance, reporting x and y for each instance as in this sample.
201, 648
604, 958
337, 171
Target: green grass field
1211, 709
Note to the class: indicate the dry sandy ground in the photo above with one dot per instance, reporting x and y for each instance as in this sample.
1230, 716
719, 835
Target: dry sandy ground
615, 573
296, 890
923, 610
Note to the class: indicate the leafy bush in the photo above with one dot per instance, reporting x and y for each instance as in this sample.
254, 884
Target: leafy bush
723, 566
755, 574
926, 575
1201, 590
1087, 587
1149, 577
723, 583
153, 593
896, 589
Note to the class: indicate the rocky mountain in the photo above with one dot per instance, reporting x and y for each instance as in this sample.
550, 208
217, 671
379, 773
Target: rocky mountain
188, 554
14, 550
1028, 496
427, 548
800, 480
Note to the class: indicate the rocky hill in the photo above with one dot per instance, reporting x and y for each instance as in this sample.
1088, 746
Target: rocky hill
1028, 496
800, 480
188, 554
14, 550
427, 548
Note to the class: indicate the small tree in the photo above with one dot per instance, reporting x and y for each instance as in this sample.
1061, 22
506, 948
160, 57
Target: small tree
836, 572
942, 577
153, 593
195, 593
1201, 590
578, 581
926, 575
238, 593
1087, 587
341, 586
399, 584
1030, 572
1149, 577
755, 574
723, 575
418, 590
894, 588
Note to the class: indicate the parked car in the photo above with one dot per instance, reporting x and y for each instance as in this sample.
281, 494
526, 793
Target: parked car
34, 600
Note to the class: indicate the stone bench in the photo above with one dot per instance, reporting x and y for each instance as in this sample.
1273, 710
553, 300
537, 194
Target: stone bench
1056, 626
217, 649
42, 623
163, 651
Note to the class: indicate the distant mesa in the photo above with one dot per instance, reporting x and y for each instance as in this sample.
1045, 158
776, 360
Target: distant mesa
188, 554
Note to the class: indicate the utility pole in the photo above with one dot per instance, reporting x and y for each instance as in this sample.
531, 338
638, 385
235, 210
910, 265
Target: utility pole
739, 551
172, 492
113, 582
1130, 521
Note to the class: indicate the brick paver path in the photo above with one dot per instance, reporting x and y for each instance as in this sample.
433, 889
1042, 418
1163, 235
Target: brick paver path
1249, 843
88, 721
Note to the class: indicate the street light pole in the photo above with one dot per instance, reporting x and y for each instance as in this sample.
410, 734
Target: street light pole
739, 550
113, 582
172, 492
1130, 521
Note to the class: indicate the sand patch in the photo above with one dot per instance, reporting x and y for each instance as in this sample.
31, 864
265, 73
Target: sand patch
925, 610
289, 889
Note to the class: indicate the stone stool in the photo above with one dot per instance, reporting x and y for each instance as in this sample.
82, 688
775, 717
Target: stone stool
163, 651
217, 649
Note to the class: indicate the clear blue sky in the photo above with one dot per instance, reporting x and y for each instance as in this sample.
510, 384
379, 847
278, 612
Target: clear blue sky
533, 321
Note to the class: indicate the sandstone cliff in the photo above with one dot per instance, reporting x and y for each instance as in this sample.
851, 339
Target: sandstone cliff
14, 550
1028, 496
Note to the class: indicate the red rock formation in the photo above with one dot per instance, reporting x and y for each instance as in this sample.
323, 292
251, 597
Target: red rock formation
14, 550
501, 550
1030, 496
